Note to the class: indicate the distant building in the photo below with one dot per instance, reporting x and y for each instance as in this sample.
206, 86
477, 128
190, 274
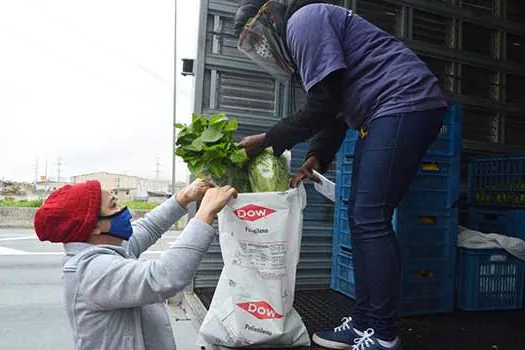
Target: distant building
127, 187
45, 186
27, 191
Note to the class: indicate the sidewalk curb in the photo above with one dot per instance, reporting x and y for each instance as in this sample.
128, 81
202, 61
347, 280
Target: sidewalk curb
196, 312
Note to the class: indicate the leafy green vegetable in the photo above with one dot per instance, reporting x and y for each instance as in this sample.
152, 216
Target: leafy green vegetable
236, 177
208, 147
269, 173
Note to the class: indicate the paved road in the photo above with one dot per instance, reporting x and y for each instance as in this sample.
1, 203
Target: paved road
31, 310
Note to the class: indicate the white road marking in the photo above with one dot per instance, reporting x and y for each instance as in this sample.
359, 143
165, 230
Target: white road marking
16, 239
10, 251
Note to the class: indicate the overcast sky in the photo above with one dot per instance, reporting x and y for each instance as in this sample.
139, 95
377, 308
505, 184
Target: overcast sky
91, 82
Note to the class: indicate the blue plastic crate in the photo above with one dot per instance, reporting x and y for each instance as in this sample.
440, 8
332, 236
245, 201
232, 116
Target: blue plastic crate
343, 194
341, 227
426, 226
439, 252
347, 148
448, 142
497, 181
343, 272
489, 279
509, 222
436, 184
426, 235
427, 288
344, 171
429, 234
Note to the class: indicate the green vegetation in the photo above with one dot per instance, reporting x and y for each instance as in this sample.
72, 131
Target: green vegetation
134, 205
24, 203
208, 147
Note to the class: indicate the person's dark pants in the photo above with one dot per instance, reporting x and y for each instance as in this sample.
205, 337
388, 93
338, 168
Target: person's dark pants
385, 164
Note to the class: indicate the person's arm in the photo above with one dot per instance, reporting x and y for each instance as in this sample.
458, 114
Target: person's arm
322, 106
148, 230
110, 281
327, 142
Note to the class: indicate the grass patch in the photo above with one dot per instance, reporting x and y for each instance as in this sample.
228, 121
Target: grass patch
140, 205
24, 203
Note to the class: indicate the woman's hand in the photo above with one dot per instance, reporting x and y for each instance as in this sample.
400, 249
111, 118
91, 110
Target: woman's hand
194, 192
214, 200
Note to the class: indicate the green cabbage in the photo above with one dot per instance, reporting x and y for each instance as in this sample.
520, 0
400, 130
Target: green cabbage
268, 173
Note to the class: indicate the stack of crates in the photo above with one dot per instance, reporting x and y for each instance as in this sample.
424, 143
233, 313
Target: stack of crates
425, 224
493, 279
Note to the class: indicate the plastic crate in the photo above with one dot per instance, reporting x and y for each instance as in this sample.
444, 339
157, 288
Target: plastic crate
426, 226
497, 181
448, 142
343, 272
341, 236
347, 148
427, 288
427, 233
344, 170
509, 222
436, 184
489, 279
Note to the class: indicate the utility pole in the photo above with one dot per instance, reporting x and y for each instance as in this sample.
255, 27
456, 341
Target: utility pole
157, 168
173, 169
59, 165
45, 174
36, 170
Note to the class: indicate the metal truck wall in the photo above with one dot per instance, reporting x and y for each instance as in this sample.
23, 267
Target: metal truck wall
228, 82
475, 47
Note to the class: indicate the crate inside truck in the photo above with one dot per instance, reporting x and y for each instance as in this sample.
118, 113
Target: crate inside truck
476, 49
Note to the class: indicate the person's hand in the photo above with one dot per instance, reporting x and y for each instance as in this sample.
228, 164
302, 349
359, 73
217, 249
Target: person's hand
214, 200
306, 171
194, 192
253, 144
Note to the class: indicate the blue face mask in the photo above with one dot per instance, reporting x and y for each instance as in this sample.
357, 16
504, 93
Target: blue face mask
120, 224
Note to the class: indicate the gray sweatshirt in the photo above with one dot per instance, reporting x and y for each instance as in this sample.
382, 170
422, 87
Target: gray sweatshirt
114, 301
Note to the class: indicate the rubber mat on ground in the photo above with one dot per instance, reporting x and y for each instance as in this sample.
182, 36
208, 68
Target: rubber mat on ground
501, 330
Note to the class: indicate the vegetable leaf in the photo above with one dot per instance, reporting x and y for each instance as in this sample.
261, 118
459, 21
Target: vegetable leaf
218, 118
239, 156
231, 126
208, 147
211, 135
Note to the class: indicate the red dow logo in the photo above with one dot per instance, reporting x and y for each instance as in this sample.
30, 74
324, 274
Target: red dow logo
252, 212
260, 309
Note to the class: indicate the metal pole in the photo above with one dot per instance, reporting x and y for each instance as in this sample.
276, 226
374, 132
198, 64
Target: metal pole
173, 170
